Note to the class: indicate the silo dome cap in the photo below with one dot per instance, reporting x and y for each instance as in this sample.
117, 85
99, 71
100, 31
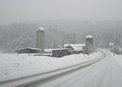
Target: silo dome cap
41, 29
89, 36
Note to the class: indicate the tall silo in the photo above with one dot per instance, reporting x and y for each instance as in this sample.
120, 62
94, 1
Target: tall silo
89, 47
40, 38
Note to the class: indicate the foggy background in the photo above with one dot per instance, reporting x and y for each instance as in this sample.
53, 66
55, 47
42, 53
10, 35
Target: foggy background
65, 21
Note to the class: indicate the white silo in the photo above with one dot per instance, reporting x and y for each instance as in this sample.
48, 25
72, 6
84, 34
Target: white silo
89, 47
40, 38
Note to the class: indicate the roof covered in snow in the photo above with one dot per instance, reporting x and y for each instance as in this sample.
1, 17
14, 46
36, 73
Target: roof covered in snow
31, 48
60, 49
28, 48
89, 36
77, 47
41, 29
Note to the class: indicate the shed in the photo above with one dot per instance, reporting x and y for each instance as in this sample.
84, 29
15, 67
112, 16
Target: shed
60, 52
28, 50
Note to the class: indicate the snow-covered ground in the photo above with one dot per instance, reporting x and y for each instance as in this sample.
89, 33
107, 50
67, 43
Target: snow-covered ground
18, 65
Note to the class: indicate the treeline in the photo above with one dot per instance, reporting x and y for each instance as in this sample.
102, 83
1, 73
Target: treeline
20, 35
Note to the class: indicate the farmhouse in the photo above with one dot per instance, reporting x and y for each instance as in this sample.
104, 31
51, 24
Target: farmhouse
75, 48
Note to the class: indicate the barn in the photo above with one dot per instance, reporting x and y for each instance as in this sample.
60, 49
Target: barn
28, 50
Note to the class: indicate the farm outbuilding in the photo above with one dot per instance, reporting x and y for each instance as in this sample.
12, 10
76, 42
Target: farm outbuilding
75, 48
60, 52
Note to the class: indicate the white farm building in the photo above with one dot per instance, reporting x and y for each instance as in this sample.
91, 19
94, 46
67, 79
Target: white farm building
75, 48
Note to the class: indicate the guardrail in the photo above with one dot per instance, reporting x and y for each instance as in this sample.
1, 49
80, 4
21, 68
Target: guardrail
47, 76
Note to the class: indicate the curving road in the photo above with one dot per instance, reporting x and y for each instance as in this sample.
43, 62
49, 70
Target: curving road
105, 73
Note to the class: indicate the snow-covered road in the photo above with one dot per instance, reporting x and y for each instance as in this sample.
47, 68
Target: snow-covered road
105, 73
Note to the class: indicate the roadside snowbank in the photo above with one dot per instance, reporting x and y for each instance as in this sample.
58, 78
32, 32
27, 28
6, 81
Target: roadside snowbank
118, 58
15, 66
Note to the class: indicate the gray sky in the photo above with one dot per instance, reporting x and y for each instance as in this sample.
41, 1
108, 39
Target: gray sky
29, 10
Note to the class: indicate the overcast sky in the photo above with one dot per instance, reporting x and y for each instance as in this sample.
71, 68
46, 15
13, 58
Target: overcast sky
29, 10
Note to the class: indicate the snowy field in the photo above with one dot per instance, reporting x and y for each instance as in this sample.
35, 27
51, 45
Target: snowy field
19, 65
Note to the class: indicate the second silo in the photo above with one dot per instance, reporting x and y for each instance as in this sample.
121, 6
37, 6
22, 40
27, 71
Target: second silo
40, 38
89, 48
